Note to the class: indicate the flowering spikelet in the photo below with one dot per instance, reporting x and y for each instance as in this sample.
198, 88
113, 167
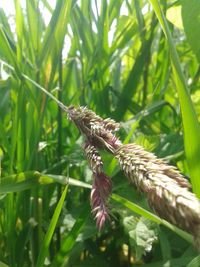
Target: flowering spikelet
101, 187
94, 158
166, 189
101, 190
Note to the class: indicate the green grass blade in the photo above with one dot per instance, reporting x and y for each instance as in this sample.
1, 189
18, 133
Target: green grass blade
195, 262
178, 262
70, 239
27, 180
19, 30
189, 118
56, 29
191, 22
35, 26
22, 181
133, 79
51, 229
7, 51
5, 24
3, 264
147, 214
114, 9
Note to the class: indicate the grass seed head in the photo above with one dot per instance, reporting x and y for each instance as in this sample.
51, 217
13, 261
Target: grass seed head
167, 191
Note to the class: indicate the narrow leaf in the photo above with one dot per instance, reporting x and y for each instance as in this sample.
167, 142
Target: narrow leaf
51, 229
6, 50
70, 239
191, 23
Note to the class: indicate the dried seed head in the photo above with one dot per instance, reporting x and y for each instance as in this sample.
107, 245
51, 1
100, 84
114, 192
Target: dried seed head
92, 121
167, 190
94, 158
111, 125
101, 187
98, 131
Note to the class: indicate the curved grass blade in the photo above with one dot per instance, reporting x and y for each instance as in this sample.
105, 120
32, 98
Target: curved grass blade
27, 180
19, 30
55, 32
190, 121
19, 182
177, 262
51, 229
195, 262
147, 214
3, 264
69, 241
7, 51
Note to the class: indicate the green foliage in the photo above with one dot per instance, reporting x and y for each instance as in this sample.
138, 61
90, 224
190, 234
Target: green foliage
48, 236
142, 234
191, 22
113, 57
190, 122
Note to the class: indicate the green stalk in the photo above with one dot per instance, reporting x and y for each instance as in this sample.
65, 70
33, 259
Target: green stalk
59, 142
48, 237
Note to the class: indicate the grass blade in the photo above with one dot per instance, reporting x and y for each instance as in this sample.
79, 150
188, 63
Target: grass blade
51, 229
27, 180
19, 30
7, 51
195, 262
56, 29
69, 241
3, 264
178, 262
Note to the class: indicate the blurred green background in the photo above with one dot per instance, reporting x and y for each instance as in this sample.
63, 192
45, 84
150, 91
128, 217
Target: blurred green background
135, 61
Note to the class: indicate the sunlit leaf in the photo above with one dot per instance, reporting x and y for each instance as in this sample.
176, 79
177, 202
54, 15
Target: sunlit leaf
191, 23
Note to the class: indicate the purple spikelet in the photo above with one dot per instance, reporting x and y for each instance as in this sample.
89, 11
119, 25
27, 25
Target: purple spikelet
99, 133
101, 190
101, 187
